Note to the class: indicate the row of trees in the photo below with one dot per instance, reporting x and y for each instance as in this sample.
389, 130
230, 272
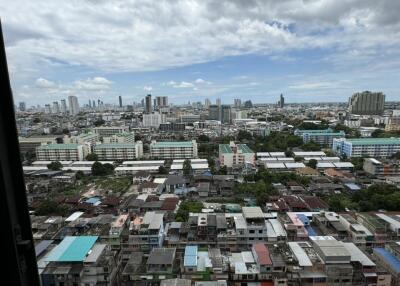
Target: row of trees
98, 169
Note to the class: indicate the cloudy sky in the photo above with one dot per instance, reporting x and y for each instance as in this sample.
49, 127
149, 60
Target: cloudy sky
309, 50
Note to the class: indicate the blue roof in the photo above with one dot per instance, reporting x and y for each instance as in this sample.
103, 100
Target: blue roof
190, 259
72, 249
92, 200
390, 258
42, 246
207, 173
353, 186
304, 219
311, 231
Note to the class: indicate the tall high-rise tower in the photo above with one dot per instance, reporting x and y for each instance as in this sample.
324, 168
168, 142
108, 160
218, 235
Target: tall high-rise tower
73, 105
148, 106
367, 103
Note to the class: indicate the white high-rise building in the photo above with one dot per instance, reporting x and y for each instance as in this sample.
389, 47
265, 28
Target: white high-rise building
161, 101
47, 108
22, 106
56, 107
207, 103
73, 105
153, 119
63, 106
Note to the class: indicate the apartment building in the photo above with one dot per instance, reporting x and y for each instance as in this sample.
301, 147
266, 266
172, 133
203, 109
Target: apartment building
232, 155
371, 147
380, 168
367, 103
321, 137
124, 137
78, 260
153, 119
173, 150
357, 233
145, 232
29, 144
84, 138
62, 152
107, 131
119, 151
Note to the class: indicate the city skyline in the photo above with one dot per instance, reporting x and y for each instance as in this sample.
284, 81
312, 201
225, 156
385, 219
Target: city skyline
261, 49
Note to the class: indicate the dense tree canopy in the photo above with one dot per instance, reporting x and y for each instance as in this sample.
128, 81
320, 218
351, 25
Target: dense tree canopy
55, 166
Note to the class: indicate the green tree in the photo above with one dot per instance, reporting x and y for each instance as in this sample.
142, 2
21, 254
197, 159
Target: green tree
162, 170
223, 170
203, 138
312, 163
98, 169
187, 207
244, 135
55, 166
79, 175
289, 153
358, 163
187, 168
99, 122
311, 146
396, 156
298, 159
50, 207
378, 133
92, 157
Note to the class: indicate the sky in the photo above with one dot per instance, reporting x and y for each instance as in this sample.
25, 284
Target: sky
188, 50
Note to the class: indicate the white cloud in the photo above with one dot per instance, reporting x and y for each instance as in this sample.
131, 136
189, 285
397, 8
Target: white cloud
96, 83
147, 88
182, 84
44, 83
104, 37
142, 35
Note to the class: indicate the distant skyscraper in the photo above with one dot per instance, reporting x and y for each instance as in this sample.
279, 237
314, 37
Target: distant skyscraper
47, 109
214, 112
237, 102
63, 106
218, 101
248, 104
161, 101
22, 106
226, 115
73, 105
120, 101
93, 103
148, 108
367, 103
207, 103
281, 102
90, 103
56, 107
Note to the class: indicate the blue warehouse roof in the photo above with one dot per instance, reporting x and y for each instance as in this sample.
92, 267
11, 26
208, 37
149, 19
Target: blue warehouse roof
392, 260
190, 259
72, 249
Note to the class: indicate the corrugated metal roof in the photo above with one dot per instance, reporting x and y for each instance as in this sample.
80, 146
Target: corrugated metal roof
72, 248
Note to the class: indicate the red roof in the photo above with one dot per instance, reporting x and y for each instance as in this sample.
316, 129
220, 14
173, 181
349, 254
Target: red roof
262, 252
169, 204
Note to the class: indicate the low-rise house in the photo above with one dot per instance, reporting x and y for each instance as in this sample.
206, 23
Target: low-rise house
78, 260
145, 232
161, 263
